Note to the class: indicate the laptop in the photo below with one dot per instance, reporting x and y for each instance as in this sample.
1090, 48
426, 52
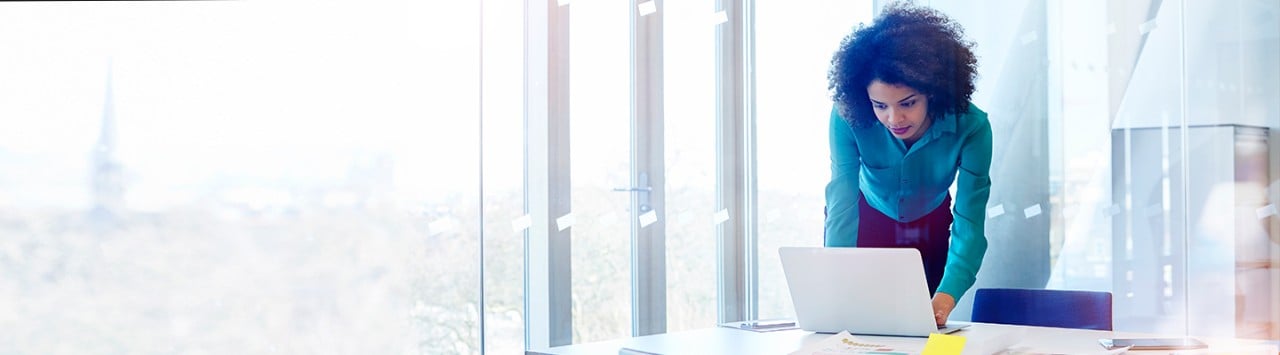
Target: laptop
869, 291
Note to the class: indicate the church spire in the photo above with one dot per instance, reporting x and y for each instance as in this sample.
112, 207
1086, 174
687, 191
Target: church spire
108, 180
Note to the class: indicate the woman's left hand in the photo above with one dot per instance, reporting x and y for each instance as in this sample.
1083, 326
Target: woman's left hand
942, 306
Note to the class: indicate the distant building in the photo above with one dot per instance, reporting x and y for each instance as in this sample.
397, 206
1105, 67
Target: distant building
107, 173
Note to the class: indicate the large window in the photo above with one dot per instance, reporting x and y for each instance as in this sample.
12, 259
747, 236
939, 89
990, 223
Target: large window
600, 127
794, 45
689, 135
505, 221
238, 177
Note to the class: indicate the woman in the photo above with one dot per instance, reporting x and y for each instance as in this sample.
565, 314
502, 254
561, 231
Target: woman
902, 130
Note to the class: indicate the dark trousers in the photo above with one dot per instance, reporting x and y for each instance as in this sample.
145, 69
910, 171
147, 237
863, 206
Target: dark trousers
929, 234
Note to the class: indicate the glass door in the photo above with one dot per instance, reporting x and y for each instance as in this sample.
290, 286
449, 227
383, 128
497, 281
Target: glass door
630, 254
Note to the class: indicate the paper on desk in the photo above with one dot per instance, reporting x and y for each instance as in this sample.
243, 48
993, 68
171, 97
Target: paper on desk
843, 343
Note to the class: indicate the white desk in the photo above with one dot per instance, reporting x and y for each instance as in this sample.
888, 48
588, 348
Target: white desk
735, 341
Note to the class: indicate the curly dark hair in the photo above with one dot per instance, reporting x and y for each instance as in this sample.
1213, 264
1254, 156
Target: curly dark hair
917, 47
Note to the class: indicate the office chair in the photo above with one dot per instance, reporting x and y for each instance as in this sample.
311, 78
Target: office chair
1044, 308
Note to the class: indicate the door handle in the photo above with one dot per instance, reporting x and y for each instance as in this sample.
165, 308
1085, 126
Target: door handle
640, 189
644, 189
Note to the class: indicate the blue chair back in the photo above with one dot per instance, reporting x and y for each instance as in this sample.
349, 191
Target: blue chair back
1045, 308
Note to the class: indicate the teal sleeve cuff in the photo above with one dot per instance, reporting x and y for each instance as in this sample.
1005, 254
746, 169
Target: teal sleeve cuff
964, 257
968, 230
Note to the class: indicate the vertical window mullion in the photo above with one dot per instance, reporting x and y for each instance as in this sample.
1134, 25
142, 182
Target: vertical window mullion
548, 301
735, 168
648, 243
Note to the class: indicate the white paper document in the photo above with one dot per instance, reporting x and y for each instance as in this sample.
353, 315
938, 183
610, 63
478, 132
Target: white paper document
843, 343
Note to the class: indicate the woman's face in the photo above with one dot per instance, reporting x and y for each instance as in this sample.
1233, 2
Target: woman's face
900, 108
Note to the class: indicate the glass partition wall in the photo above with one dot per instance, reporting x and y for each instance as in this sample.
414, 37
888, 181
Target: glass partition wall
1141, 130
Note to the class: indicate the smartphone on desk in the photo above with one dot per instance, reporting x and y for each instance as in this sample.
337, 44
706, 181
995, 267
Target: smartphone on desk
1153, 343
764, 325
768, 324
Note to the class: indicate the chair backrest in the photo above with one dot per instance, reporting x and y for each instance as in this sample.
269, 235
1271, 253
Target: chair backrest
1045, 308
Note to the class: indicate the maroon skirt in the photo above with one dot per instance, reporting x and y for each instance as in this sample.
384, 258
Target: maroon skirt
929, 234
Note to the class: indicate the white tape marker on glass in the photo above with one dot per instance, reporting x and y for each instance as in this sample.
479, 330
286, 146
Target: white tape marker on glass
648, 218
565, 221
995, 211
1266, 211
648, 7
719, 18
1032, 211
721, 216
521, 223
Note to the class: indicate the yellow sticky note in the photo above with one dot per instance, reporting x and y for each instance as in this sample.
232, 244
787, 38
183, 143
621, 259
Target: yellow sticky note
942, 344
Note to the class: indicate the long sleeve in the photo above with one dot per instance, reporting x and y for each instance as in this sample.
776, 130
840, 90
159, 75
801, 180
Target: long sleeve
973, 188
842, 191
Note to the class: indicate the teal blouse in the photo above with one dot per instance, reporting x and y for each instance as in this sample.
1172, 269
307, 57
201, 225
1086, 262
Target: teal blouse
906, 184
